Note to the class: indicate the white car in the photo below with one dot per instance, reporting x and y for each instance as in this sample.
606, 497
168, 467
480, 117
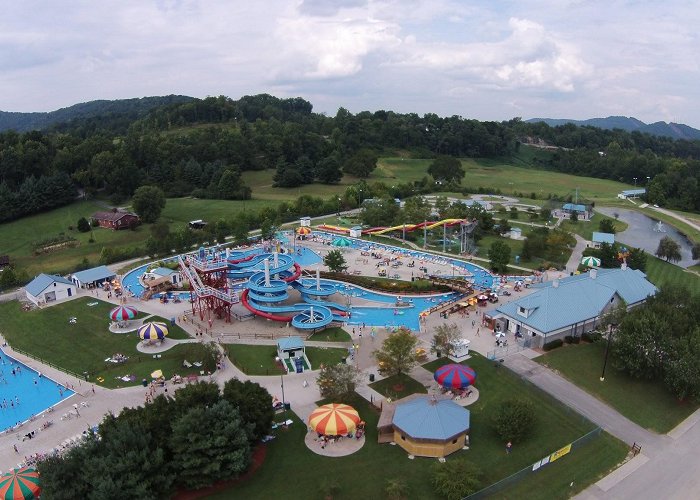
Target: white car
655, 205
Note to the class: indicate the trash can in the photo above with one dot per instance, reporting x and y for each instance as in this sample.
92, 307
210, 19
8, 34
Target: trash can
287, 406
144, 383
371, 377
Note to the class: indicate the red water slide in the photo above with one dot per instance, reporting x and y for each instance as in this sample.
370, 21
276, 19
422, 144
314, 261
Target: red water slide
262, 314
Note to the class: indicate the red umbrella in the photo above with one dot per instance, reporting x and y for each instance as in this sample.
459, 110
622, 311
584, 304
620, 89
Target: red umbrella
455, 376
123, 313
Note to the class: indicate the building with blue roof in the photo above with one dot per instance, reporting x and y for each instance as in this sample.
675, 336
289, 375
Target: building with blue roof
599, 238
582, 211
47, 288
93, 277
573, 305
430, 426
164, 272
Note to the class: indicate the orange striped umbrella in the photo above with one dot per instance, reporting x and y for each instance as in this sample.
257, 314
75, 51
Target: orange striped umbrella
304, 230
334, 419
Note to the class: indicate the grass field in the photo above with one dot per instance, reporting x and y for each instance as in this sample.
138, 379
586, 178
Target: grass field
179, 211
585, 229
83, 346
663, 273
398, 386
364, 474
645, 402
260, 359
332, 334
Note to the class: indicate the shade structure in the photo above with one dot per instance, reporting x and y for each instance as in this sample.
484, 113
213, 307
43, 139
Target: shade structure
20, 484
153, 331
455, 376
342, 242
334, 419
304, 230
157, 374
590, 261
123, 313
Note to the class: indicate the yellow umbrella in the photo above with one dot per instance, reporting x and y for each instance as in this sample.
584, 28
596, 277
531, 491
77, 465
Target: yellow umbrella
157, 374
334, 419
304, 230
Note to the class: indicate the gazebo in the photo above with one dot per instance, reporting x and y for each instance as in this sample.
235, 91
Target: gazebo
430, 427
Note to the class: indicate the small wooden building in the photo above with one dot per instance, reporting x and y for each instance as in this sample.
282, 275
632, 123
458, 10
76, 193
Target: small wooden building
116, 219
425, 426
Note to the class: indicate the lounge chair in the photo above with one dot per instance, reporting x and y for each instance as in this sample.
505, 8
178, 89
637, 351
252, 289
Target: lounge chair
186, 364
198, 364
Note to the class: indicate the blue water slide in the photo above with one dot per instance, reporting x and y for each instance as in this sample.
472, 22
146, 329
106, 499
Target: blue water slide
309, 287
267, 297
324, 303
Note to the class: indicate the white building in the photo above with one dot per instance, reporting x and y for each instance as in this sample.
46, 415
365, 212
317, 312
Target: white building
47, 288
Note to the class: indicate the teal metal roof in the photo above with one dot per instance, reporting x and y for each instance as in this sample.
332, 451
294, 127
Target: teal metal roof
42, 282
289, 343
577, 298
99, 273
608, 238
574, 208
427, 418
163, 271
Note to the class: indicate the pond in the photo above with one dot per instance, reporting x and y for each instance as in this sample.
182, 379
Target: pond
645, 232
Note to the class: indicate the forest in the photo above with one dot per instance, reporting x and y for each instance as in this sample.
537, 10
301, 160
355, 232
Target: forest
199, 147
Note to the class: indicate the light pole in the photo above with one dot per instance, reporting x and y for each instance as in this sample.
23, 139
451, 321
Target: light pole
635, 181
338, 197
359, 198
607, 351
648, 179
284, 404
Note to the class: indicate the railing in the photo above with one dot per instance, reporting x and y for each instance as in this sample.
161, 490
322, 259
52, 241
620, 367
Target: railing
202, 290
48, 363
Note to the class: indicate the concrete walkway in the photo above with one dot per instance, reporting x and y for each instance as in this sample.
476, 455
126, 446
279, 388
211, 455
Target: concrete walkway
576, 254
585, 404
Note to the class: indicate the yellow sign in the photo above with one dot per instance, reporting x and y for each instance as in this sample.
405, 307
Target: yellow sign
560, 453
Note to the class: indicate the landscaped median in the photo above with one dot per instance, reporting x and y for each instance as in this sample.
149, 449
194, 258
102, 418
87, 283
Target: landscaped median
260, 359
645, 402
84, 345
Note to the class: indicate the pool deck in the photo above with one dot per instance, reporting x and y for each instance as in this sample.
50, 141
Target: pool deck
300, 389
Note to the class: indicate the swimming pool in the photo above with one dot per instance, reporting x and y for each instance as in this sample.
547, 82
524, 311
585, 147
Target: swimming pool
34, 393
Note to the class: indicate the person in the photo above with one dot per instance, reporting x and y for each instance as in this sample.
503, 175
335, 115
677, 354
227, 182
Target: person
15, 447
509, 447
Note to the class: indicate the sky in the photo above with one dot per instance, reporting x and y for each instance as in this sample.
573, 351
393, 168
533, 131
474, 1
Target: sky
488, 60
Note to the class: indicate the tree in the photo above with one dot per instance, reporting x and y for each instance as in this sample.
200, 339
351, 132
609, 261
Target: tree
514, 213
456, 478
545, 213
231, 186
210, 444
514, 420
148, 202
337, 381
637, 259
607, 226
267, 229
608, 255
444, 337
254, 404
447, 169
499, 256
83, 225
335, 261
239, 230
398, 353
573, 217
503, 226
396, 489
669, 249
328, 170
361, 164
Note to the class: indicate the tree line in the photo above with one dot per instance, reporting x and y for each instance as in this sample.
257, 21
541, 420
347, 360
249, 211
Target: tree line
191, 441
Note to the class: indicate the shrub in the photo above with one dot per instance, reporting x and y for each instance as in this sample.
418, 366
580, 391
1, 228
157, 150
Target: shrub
576, 340
553, 344
569, 339
514, 420
592, 336
83, 225
456, 479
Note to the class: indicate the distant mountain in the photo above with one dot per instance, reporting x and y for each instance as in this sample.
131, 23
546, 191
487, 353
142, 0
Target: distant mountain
663, 129
133, 108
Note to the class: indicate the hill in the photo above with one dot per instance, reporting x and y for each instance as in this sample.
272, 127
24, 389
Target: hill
629, 124
130, 108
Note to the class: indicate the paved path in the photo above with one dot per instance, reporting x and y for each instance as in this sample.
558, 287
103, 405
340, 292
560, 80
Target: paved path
590, 407
576, 254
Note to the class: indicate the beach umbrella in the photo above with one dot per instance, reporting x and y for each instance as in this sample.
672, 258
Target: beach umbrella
123, 313
482, 297
304, 230
334, 419
157, 374
342, 242
153, 331
455, 376
20, 484
590, 261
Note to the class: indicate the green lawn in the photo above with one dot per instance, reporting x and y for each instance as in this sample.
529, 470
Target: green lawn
647, 403
17, 237
585, 229
83, 346
332, 334
260, 359
663, 273
364, 474
398, 386
179, 211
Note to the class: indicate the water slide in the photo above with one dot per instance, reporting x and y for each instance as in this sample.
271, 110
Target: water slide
413, 227
267, 289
